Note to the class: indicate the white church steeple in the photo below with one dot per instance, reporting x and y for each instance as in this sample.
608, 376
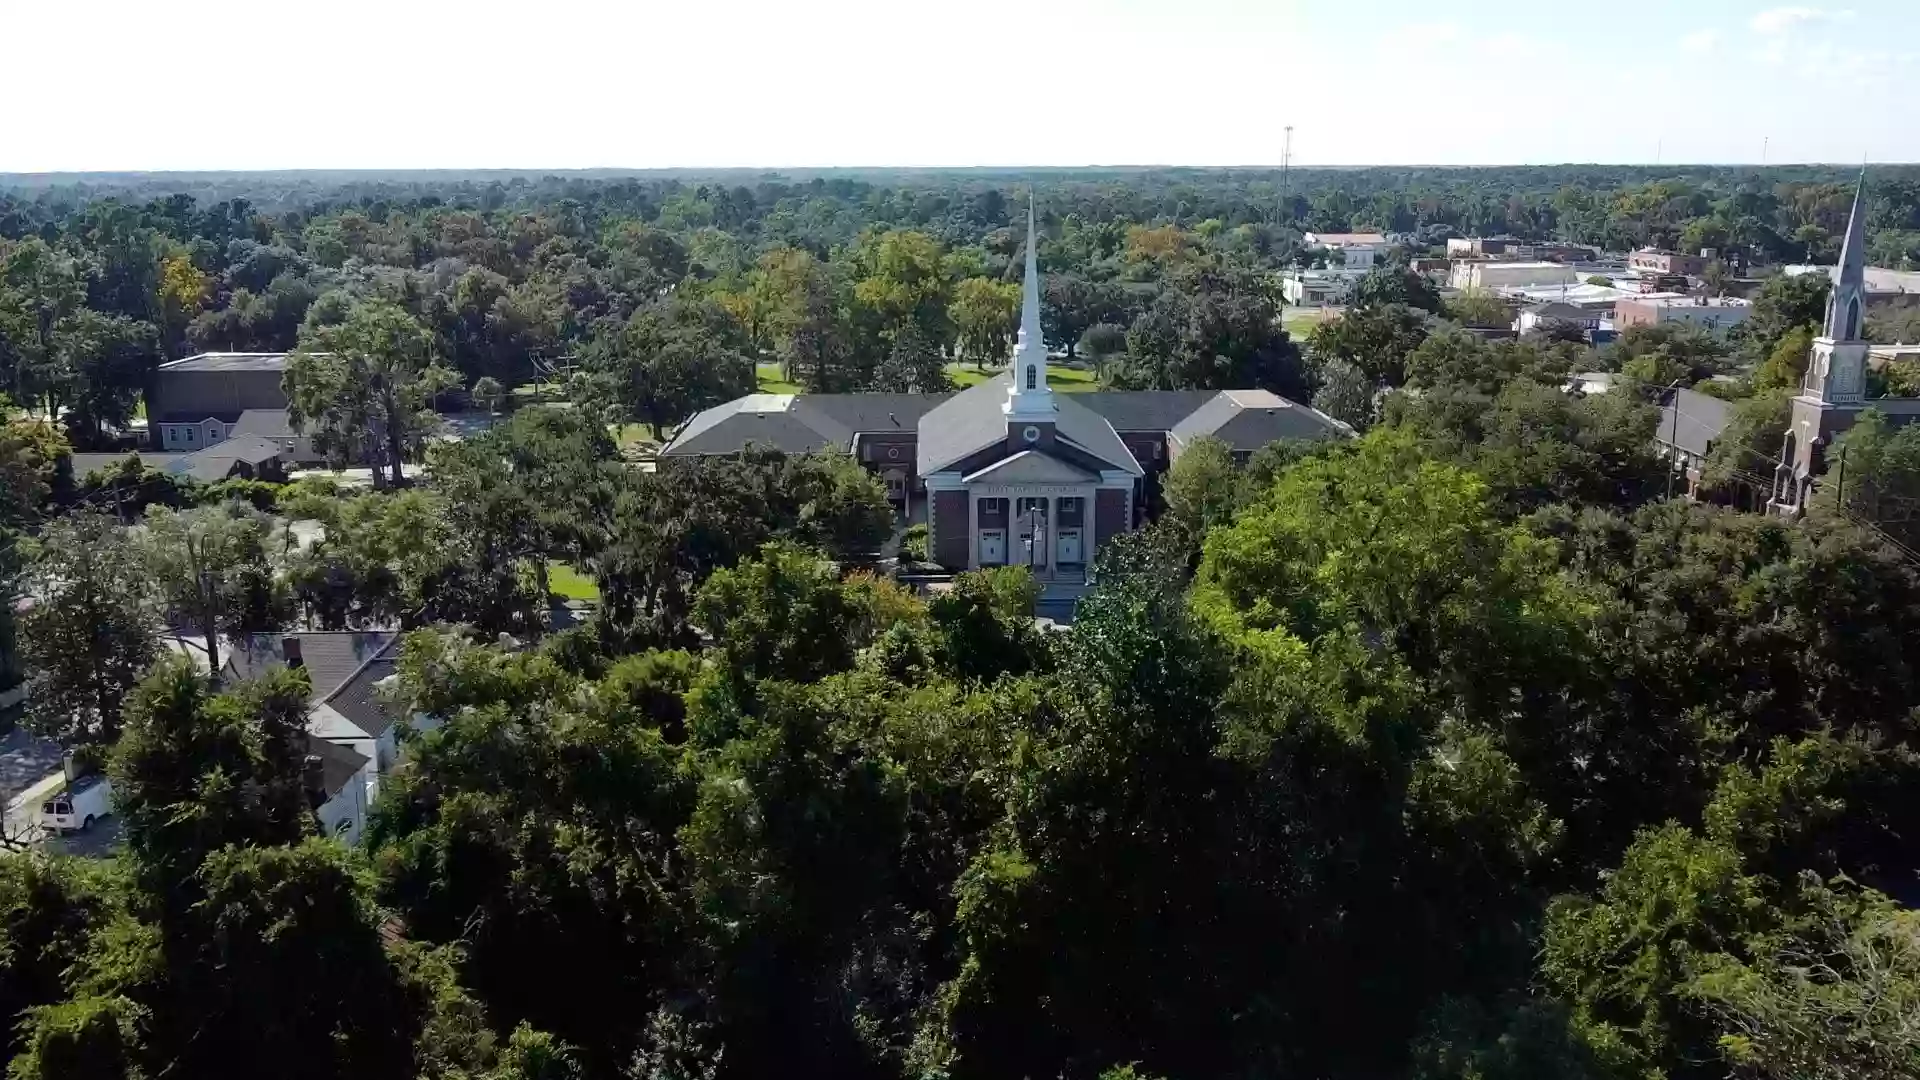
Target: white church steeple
1028, 397
1837, 368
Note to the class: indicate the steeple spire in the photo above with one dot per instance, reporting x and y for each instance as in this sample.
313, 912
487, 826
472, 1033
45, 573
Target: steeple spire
1849, 285
1029, 397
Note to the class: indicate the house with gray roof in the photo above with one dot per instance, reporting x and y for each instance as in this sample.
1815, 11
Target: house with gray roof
347, 669
1007, 471
1690, 423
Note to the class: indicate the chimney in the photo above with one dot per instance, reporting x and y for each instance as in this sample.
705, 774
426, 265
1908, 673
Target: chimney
313, 779
290, 648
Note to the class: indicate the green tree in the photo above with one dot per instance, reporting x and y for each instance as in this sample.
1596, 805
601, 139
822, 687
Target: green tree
212, 570
1874, 476
365, 387
1375, 340
672, 360
985, 315
90, 634
1202, 490
1478, 307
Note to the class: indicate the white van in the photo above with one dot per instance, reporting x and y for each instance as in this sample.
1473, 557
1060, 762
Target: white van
78, 805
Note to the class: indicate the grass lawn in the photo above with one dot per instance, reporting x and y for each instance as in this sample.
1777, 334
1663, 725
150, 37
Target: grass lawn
1298, 322
1064, 379
770, 381
571, 583
626, 435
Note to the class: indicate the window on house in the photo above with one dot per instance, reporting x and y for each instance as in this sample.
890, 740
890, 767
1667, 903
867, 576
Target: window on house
189, 434
213, 432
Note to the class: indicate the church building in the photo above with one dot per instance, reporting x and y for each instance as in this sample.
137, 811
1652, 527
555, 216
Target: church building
1833, 393
1009, 471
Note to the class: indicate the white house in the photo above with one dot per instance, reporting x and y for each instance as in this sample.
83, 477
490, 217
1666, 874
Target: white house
346, 712
1358, 250
337, 775
1318, 288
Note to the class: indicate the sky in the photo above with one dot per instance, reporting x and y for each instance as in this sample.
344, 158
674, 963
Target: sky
556, 84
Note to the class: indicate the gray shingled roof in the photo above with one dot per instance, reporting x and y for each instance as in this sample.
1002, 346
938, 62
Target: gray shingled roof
338, 764
344, 666
1144, 410
229, 362
89, 463
758, 419
1091, 432
268, 423
1250, 419
964, 424
870, 412
196, 416
1700, 420
216, 462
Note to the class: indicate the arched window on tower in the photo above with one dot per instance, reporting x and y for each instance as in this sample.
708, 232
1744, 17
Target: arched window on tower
1033, 381
1853, 319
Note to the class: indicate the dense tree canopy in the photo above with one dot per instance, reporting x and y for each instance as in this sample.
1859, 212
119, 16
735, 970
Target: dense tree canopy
1455, 749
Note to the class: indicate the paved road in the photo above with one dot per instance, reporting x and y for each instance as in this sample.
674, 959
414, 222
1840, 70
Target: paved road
24, 761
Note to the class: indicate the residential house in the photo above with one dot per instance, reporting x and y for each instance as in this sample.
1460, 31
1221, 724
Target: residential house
1690, 423
336, 784
346, 669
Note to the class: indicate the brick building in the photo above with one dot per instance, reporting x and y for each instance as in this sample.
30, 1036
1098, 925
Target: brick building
1007, 471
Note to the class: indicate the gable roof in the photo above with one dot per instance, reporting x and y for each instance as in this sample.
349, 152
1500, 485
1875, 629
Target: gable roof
229, 361
967, 422
344, 666
798, 423
84, 463
764, 419
1088, 430
338, 764
1032, 467
1692, 420
216, 462
973, 420
869, 412
1144, 410
268, 423
1250, 419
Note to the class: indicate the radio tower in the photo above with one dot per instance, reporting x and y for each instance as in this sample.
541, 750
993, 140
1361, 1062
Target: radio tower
1286, 177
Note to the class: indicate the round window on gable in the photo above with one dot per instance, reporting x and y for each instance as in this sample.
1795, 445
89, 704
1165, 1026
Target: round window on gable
893, 453
1031, 434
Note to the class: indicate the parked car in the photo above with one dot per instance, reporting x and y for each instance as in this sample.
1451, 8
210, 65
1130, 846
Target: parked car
78, 805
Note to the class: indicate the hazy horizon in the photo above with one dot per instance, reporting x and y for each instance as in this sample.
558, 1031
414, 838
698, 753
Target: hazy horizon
123, 86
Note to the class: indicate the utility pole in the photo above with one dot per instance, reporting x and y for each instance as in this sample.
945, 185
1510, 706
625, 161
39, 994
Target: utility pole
1673, 437
1763, 149
1840, 485
1286, 174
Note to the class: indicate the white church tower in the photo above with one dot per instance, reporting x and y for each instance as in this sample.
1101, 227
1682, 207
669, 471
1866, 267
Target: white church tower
1029, 401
